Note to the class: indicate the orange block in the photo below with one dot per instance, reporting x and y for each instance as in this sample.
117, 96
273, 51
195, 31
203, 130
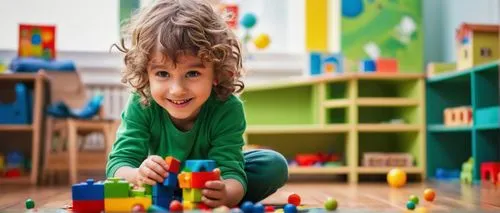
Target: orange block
173, 164
386, 65
184, 179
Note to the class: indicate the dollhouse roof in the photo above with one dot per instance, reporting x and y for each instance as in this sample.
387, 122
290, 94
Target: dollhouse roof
467, 28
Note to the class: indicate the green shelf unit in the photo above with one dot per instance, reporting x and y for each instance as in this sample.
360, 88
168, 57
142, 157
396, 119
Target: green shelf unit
347, 114
450, 146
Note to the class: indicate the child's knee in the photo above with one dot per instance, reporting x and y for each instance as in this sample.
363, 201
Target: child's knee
278, 167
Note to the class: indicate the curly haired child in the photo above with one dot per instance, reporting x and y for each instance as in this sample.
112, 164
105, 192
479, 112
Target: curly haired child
184, 66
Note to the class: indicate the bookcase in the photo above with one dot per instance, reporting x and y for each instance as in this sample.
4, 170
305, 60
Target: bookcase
448, 147
347, 114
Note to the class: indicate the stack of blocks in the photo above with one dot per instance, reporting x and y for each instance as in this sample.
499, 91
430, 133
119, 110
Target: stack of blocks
192, 180
120, 197
88, 196
163, 193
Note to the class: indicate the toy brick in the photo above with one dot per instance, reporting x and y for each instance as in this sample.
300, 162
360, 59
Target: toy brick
171, 180
198, 179
116, 188
386, 65
188, 205
88, 205
200, 165
368, 66
155, 208
191, 194
88, 190
138, 192
184, 179
164, 202
125, 204
173, 164
162, 191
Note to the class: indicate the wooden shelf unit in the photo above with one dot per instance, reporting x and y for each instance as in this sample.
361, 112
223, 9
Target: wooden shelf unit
35, 129
349, 114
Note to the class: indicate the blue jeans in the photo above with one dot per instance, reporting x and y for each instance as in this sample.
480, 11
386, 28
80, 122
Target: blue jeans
267, 171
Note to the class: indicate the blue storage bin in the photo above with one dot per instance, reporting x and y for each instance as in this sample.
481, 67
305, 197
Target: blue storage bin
487, 115
20, 110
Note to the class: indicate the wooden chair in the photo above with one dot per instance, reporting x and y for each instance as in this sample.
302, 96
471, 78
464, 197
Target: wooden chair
65, 153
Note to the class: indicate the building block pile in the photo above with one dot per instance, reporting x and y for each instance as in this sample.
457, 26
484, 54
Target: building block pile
163, 193
192, 180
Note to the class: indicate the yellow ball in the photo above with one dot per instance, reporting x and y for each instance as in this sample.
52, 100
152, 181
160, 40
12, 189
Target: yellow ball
396, 178
262, 41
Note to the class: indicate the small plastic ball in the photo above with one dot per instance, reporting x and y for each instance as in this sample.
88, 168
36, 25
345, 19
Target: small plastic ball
138, 208
330, 204
30, 204
269, 208
290, 208
258, 208
414, 199
247, 207
262, 41
294, 199
396, 178
175, 206
429, 195
410, 205
248, 20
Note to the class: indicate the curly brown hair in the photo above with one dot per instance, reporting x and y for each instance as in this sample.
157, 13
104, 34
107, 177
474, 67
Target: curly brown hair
176, 27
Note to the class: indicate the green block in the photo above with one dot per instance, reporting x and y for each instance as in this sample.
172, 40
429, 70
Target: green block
191, 195
149, 189
116, 188
138, 192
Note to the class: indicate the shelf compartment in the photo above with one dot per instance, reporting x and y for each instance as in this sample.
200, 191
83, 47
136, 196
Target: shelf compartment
381, 102
318, 170
337, 116
385, 170
337, 90
289, 145
386, 114
444, 128
443, 96
448, 150
409, 88
291, 105
296, 129
376, 142
485, 90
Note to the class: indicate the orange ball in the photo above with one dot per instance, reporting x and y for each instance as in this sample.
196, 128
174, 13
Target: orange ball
429, 195
396, 178
294, 199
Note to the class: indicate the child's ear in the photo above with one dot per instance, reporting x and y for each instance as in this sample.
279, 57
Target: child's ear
216, 82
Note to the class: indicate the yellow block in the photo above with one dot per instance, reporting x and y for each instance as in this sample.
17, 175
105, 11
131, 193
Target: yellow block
125, 204
188, 205
316, 25
192, 195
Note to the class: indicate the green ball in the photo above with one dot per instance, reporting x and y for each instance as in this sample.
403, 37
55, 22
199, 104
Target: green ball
410, 205
330, 204
414, 199
30, 204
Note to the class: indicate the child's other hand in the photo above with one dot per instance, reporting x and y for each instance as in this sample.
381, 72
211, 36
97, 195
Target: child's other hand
214, 194
152, 170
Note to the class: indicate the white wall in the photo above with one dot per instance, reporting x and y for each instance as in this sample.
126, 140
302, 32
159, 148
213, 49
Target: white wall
89, 25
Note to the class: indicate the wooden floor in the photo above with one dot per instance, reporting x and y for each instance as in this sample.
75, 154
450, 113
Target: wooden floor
451, 197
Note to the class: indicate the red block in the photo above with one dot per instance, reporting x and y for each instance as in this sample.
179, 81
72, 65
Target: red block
198, 179
173, 164
88, 206
386, 65
493, 168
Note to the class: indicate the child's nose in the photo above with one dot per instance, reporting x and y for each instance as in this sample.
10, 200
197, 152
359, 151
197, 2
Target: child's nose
177, 88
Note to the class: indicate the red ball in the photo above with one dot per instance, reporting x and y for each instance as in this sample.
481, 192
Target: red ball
269, 208
294, 199
138, 208
175, 206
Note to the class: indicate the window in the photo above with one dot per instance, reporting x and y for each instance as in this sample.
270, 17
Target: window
485, 52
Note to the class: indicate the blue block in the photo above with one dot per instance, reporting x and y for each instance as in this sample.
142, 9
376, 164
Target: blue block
162, 201
162, 191
315, 63
368, 66
200, 165
170, 181
156, 208
88, 190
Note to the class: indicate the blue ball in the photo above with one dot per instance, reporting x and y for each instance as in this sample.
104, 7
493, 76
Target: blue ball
36, 39
352, 8
248, 20
247, 207
258, 208
290, 208
410, 205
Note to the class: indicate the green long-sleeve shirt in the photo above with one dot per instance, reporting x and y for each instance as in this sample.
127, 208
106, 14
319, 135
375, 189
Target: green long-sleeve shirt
217, 134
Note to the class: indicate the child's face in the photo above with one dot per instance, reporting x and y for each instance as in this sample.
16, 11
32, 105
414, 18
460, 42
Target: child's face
181, 89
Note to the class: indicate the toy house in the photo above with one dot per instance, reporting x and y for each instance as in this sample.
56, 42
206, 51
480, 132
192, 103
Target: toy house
476, 44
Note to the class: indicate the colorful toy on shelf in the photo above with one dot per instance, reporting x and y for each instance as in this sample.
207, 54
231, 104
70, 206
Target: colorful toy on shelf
446, 174
37, 41
379, 65
467, 170
325, 63
381, 159
230, 11
19, 110
396, 178
491, 170
456, 116
14, 165
477, 44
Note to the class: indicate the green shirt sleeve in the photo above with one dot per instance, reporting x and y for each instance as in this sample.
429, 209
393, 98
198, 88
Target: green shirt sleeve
227, 141
131, 145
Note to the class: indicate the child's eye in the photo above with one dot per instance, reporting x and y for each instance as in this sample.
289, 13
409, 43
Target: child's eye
192, 74
162, 74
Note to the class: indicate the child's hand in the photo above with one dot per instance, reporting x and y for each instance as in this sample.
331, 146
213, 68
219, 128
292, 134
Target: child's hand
152, 170
214, 194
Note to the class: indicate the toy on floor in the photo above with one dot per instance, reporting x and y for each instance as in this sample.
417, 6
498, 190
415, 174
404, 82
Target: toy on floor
429, 195
294, 199
396, 178
330, 204
30, 204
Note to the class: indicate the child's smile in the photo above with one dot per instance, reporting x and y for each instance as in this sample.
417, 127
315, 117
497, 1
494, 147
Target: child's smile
180, 103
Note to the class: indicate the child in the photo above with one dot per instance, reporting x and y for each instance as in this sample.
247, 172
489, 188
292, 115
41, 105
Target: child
184, 66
